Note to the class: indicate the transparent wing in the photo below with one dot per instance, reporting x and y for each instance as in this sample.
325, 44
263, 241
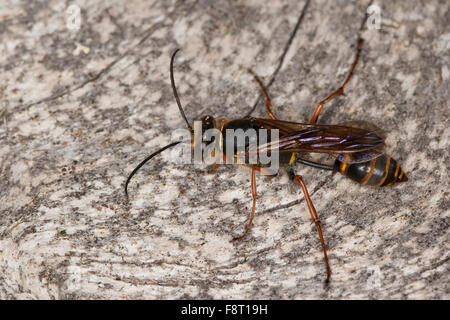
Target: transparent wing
321, 139
358, 157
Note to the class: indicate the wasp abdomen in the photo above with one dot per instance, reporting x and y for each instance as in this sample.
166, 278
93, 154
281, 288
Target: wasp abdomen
381, 171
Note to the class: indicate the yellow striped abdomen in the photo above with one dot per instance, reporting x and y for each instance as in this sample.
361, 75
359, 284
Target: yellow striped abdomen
381, 171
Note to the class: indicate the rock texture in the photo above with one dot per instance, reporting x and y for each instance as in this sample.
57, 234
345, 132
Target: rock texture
80, 108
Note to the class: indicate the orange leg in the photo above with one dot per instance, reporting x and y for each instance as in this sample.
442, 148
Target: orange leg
254, 195
216, 165
269, 111
339, 91
298, 179
266, 93
211, 171
264, 171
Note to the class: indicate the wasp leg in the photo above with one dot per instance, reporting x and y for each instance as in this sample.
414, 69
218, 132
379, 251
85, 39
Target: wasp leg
268, 103
298, 179
216, 165
252, 215
211, 171
266, 93
265, 172
339, 91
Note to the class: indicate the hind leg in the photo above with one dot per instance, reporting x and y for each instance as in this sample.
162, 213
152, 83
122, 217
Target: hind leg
298, 180
266, 94
339, 91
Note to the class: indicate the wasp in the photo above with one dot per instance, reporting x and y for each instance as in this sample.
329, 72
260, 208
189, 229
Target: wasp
355, 147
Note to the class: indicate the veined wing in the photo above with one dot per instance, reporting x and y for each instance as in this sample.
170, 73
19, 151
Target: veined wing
285, 127
357, 157
298, 137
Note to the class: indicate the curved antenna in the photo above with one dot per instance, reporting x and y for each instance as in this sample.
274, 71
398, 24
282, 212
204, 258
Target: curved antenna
144, 161
175, 93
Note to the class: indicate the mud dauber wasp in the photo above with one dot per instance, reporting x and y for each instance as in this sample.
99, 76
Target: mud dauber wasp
356, 147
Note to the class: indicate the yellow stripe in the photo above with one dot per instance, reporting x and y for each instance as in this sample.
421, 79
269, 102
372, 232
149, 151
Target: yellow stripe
369, 174
344, 164
401, 175
291, 161
396, 171
221, 137
386, 170
343, 167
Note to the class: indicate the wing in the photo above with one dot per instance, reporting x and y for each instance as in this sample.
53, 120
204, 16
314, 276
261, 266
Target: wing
358, 157
335, 140
289, 127
285, 127
364, 125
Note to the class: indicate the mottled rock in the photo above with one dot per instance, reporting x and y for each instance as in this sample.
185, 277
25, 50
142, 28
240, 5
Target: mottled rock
80, 108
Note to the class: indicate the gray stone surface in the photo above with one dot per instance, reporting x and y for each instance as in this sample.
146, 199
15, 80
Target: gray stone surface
79, 109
